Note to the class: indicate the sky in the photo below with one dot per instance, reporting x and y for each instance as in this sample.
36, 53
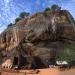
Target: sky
10, 9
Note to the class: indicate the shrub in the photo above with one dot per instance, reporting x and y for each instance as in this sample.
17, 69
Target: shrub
67, 54
17, 19
23, 14
55, 8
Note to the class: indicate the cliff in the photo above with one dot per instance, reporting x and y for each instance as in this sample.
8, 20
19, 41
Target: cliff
44, 30
63, 19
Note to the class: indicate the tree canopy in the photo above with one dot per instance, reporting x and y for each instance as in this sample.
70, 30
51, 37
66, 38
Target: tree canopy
9, 25
23, 14
55, 8
17, 19
47, 9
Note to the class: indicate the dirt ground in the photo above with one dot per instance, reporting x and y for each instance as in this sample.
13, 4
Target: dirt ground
53, 71
48, 71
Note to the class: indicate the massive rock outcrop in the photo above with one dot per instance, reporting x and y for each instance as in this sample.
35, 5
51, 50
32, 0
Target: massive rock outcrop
35, 40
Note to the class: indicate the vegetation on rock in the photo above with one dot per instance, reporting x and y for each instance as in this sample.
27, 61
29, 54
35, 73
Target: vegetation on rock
23, 14
67, 53
17, 19
55, 8
9, 25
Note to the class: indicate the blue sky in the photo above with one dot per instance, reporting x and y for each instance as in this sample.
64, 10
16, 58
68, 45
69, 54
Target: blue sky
10, 9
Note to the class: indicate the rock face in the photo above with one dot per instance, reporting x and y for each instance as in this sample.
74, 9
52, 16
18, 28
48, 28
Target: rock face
34, 42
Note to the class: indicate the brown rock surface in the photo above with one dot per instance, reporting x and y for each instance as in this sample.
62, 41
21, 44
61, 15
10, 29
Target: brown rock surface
38, 36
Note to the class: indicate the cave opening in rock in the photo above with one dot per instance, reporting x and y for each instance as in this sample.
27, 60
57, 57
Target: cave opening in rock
15, 61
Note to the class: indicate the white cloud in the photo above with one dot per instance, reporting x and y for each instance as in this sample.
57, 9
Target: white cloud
6, 1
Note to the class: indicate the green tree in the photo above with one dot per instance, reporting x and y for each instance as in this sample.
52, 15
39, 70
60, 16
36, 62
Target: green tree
68, 53
55, 8
9, 25
23, 14
17, 19
47, 9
